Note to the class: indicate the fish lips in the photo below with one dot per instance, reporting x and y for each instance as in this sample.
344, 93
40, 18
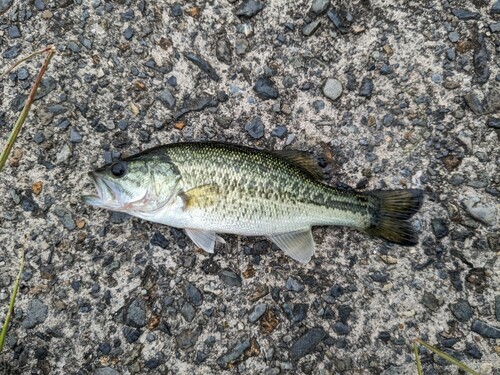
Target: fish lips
105, 198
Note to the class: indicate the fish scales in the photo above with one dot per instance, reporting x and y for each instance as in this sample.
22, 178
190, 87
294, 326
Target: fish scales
261, 192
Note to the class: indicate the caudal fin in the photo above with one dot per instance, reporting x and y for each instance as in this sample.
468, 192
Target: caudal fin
391, 211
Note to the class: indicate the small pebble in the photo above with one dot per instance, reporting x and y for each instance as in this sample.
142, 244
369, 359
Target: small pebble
249, 8
366, 88
465, 15
230, 278
437, 78
386, 69
257, 312
265, 89
332, 88
74, 136
306, 343
233, 354
486, 330
462, 310
188, 312
193, 294
202, 64
310, 28
13, 32
136, 314
294, 285
440, 228
36, 314
166, 98
279, 132
255, 128
241, 46
319, 6
453, 37
176, 10
485, 213
340, 328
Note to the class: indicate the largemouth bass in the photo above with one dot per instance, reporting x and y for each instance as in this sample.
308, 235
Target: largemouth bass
208, 188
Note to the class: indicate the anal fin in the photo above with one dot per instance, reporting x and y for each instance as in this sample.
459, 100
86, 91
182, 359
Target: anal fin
298, 245
205, 239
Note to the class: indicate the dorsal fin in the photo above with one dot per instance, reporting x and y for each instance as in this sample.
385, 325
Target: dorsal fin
302, 160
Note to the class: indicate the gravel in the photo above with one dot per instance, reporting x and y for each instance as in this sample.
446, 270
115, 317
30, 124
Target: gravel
202, 64
462, 310
230, 278
193, 294
5, 5
65, 217
233, 354
294, 285
257, 312
255, 128
13, 32
306, 343
454, 37
342, 19
412, 101
465, 15
332, 88
481, 212
481, 57
265, 89
366, 88
440, 228
249, 8
485, 330
310, 28
136, 314
36, 314
167, 99
320, 6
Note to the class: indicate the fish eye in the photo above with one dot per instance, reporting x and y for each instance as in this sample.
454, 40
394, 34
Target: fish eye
118, 169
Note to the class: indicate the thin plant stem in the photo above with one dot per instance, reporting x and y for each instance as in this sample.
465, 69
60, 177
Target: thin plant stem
22, 117
43, 50
417, 359
446, 357
12, 302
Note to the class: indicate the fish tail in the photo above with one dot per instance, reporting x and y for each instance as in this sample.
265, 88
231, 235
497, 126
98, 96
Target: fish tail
391, 210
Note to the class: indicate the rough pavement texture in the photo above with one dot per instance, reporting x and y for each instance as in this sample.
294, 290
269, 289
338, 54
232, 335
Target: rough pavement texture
418, 106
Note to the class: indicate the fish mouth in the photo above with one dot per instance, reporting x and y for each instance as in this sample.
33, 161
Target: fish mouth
105, 195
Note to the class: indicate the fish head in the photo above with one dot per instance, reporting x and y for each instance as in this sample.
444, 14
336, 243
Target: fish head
139, 184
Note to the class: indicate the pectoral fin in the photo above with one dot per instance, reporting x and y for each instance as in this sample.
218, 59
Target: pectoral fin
200, 196
298, 245
204, 239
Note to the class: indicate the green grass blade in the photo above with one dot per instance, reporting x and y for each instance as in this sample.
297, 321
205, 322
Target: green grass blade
12, 302
22, 117
447, 357
417, 359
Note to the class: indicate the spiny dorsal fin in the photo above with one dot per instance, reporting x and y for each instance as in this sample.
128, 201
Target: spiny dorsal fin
200, 196
302, 160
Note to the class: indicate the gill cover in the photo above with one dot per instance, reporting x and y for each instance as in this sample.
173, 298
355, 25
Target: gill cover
141, 183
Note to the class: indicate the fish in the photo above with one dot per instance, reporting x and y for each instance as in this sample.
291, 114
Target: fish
210, 188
